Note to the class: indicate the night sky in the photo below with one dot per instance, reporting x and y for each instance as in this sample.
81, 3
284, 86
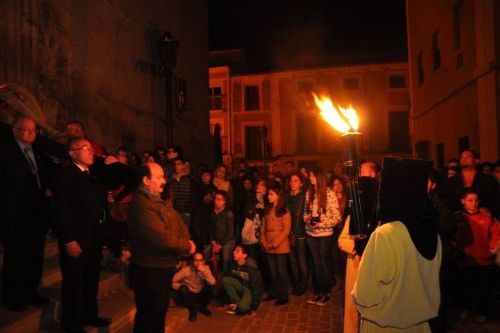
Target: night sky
273, 30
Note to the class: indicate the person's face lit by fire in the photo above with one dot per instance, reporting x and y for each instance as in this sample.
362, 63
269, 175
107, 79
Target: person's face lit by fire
122, 157
470, 202
261, 188
219, 201
220, 172
171, 154
179, 167
295, 184
247, 185
156, 182
24, 130
81, 152
206, 178
272, 196
338, 187
75, 131
467, 159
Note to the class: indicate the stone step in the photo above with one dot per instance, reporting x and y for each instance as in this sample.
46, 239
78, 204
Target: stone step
22, 322
35, 318
117, 305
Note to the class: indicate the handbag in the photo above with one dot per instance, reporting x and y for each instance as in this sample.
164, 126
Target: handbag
249, 232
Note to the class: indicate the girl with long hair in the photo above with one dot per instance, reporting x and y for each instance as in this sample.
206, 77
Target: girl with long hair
274, 232
321, 215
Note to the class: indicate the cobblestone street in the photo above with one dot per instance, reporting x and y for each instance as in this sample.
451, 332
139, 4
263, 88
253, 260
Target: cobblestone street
296, 316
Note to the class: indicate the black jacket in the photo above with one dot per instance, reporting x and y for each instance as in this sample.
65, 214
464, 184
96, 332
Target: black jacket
79, 207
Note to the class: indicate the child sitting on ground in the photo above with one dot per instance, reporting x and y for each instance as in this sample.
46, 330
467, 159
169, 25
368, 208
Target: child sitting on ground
243, 283
194, 284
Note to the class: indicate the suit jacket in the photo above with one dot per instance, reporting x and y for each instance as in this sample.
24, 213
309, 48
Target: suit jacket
22, 200
79, 202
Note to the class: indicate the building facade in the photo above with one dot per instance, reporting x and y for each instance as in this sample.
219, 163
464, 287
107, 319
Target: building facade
273, 117
454, 65
98, 62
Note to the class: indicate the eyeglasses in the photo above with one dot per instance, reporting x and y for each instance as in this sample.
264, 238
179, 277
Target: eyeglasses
199, 260
26, 130
85, 148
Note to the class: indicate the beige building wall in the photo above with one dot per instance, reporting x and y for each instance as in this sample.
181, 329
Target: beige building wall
456, 101
287, 109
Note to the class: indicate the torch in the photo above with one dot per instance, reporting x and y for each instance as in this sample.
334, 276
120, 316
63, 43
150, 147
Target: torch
345, 121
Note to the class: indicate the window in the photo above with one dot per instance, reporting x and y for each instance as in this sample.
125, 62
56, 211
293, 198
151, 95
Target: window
420, 69
397, 81
456, 24
399, 133
253, 142
215, 98
351, 84
422, 148
307, 139
457, 31
463, 143
305, 87
252, 101
436, 52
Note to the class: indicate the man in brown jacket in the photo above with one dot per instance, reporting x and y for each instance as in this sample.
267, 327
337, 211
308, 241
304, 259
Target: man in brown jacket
157, 237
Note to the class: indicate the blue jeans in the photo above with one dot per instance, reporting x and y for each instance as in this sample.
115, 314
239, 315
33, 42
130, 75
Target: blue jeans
298, 263
321, 252
226, 252
279, 275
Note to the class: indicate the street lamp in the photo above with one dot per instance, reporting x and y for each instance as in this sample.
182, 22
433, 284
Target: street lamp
168, 48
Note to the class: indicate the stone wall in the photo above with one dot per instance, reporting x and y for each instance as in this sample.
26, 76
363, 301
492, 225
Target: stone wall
96, 61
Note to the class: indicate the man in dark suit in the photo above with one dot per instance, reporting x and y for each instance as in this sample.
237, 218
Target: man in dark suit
79, 206
24, 214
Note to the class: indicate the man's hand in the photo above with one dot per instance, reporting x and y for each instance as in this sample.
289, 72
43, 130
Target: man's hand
125, 256
73, 249
193, 247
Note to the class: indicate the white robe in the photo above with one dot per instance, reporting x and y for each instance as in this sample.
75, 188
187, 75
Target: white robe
397, 289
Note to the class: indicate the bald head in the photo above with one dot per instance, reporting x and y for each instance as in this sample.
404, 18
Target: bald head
368, 169
24, 130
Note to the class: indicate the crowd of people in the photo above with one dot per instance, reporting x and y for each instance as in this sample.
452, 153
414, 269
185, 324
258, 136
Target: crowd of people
203, 237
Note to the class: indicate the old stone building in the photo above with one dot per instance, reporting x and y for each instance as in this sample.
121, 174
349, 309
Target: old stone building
272, 116
98, 61
454, 64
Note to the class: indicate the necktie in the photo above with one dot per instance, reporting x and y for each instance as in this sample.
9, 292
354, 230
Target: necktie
28, 153
31, 163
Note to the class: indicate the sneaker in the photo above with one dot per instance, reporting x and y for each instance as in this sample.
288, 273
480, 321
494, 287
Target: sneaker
231, 309
315, 299
323, 300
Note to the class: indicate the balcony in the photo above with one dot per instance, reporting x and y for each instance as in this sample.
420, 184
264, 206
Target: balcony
217, 103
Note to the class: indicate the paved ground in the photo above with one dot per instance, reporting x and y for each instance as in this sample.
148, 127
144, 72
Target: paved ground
296, 316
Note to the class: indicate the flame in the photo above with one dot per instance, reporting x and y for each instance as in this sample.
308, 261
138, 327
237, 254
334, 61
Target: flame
341, 119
